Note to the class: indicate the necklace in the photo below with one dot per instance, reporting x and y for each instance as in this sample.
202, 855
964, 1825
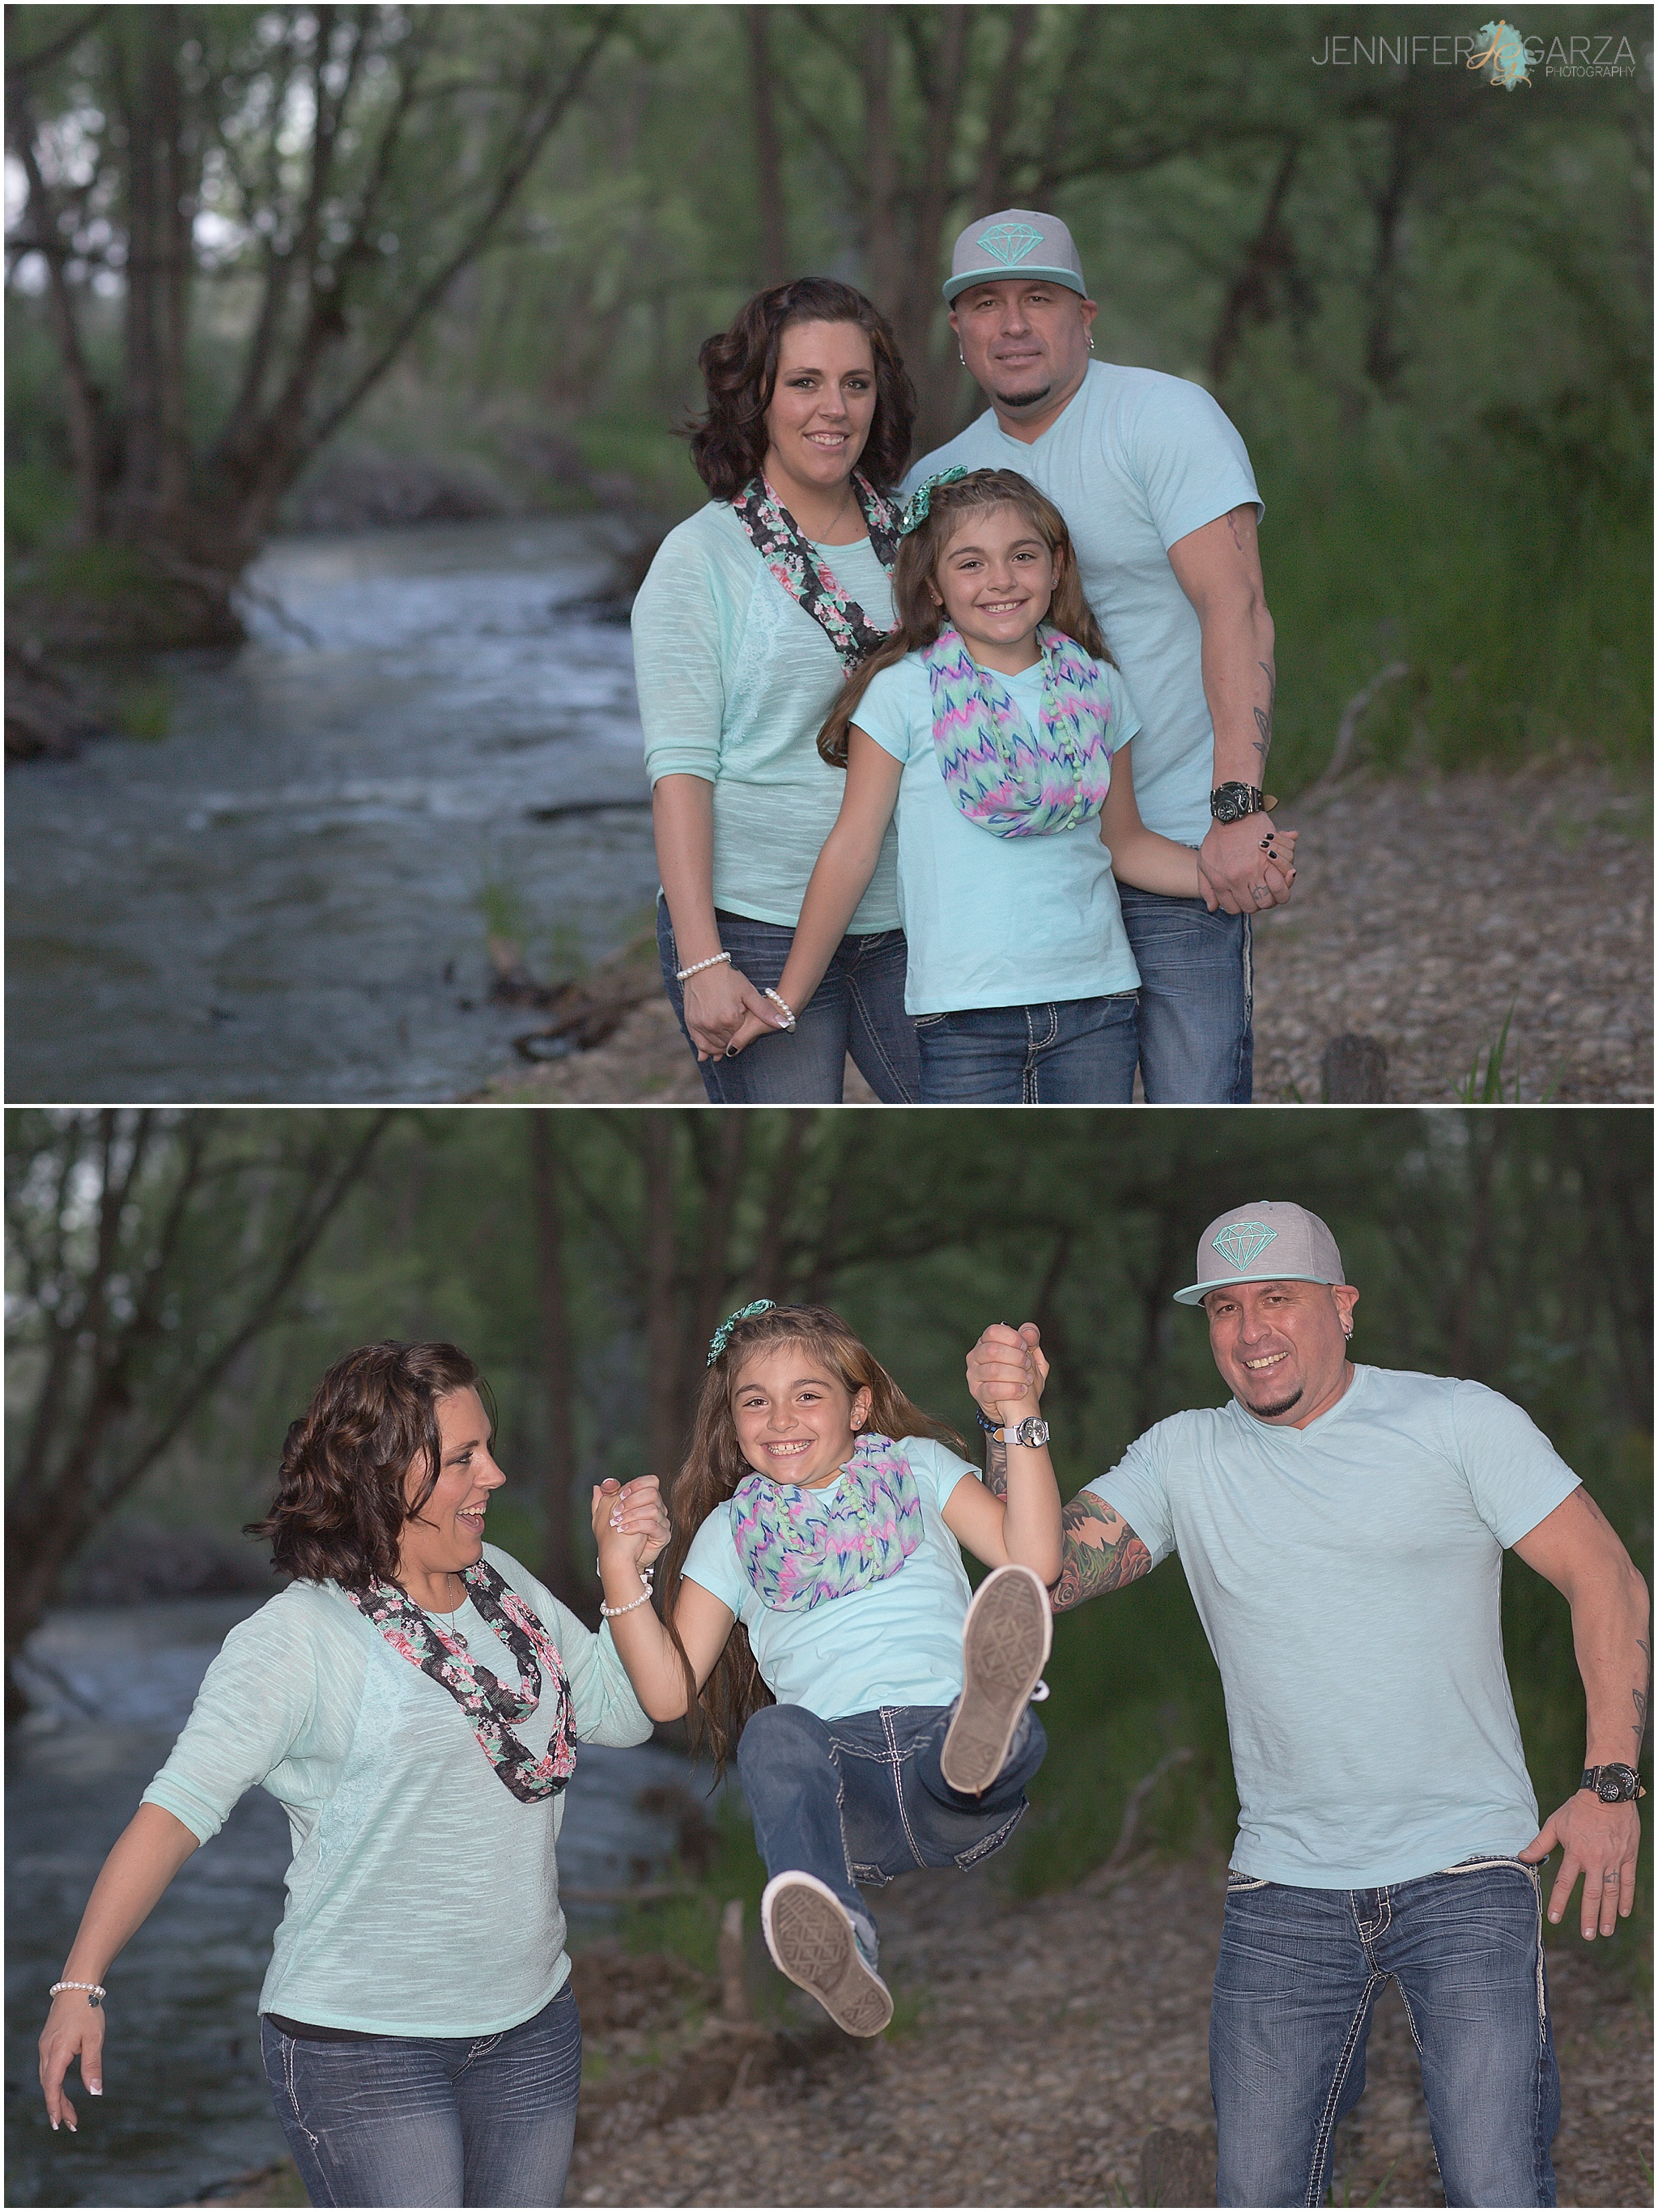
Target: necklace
449, 1624
834, 521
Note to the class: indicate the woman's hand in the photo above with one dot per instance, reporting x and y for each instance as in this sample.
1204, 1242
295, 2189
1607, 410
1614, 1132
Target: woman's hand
629, 1523
721, 1002
754, 1026
74, 2029
1277, 876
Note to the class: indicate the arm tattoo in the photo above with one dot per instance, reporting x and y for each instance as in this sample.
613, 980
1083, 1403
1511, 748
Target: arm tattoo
1264, 715
1640, 1695
1101, 1552
995, 1468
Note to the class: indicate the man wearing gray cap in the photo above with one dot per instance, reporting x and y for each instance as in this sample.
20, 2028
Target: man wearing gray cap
1156, 490
1342, 1528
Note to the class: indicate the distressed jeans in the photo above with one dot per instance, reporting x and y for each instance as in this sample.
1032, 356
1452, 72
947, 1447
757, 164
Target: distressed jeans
1299, 1975
404, 2119
863, 1799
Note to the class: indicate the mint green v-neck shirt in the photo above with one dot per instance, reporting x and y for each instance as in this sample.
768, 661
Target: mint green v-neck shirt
422, 1896
735, 681
1348, 1578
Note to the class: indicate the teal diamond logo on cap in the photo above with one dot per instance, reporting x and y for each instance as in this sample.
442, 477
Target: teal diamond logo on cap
1241, 1242
1010, 242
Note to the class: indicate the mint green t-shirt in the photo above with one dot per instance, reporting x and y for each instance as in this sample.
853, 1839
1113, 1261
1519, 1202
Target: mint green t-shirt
1348, 1578
735, 681
422, 1896
895, 1643
988, 921
1135, 462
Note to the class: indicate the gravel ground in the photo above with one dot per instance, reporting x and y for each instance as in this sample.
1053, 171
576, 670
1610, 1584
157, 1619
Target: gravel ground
1039, 2044
1424, 910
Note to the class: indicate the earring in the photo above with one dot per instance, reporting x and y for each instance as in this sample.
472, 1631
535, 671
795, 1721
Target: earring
962, 356
1090, 341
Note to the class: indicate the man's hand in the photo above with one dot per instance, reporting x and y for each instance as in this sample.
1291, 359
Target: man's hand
1247, 866
1599, 1843
1007, 1367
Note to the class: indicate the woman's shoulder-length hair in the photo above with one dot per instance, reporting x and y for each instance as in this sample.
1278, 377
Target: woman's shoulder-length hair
341, 1501
740, 370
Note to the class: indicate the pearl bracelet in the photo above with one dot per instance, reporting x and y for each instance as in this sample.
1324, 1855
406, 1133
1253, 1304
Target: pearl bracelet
683, 975
777, 1000
614, 1612
95, 1991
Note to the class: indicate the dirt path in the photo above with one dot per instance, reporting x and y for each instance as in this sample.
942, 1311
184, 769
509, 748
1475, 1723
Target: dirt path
1040, 2045
1424, 910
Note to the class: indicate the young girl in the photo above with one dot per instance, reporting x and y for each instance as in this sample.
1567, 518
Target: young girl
815, 1560
995, 720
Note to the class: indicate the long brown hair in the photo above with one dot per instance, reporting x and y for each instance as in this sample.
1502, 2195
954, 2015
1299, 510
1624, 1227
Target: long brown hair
740, 370
716, 1714
920, 618
340, 1506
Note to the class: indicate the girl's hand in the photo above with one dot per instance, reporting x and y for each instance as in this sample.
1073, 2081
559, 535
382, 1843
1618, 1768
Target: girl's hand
754, 1026
74, 2029
629, 1522
721, 1001
1277, 848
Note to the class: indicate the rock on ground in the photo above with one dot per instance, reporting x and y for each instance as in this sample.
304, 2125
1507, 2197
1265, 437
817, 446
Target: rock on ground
1041, 2043
1425, 909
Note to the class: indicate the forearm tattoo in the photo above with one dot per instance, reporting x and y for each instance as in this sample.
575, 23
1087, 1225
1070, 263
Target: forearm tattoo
995, 1468
1101, 1552
1640, 1694
1263, 714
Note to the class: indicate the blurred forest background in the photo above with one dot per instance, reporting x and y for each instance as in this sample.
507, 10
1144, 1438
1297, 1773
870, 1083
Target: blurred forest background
177, 1282
278, 265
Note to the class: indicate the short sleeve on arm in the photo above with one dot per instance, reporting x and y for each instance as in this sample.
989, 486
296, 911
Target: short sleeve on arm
936, 1470
678, 621
1137, 1489
257, 1703
1124, 715
1515, 1474
886, 710
712, 1561
1190, 461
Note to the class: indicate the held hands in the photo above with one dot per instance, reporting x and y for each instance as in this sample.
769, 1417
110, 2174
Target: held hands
629, 1522
723, 1011
1247, 866
1599, 1843
74, 2028
1007, 1369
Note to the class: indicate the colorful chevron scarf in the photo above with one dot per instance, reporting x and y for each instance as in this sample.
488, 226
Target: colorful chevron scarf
1006, 780
806, 576
798, 1547
488, 1704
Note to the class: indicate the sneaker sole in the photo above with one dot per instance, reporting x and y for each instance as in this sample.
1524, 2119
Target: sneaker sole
1005, 1642
811, 1941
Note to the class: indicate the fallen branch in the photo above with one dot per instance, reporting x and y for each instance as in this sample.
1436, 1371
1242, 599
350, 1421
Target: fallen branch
1116, 1868
1347, 729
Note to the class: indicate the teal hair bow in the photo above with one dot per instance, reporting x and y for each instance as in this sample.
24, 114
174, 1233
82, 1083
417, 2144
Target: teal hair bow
920, 506
721, 1335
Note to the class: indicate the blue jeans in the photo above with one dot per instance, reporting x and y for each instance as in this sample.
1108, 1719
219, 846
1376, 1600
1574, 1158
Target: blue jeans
858, 1008
1079, 1052
863, 1799
1299, 1974
1197, 997
397, 2119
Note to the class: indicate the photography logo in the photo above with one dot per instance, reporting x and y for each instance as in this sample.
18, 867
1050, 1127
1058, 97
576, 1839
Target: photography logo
1502, 51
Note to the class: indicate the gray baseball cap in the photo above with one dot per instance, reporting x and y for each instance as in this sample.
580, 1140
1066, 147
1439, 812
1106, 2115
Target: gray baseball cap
1264, 1242
1015, 242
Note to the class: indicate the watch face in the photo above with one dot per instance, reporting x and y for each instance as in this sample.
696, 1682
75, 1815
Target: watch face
1608, 1791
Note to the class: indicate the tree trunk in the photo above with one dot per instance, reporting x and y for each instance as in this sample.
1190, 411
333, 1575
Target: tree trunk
1269, 261
768, 153
558, 1555
918, 319
882, 239
664, 1398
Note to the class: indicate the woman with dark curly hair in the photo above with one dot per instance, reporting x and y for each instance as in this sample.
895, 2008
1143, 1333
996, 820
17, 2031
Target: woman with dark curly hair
753, 613
413, 1700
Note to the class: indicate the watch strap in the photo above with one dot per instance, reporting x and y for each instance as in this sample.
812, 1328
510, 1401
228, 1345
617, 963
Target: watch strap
1629, 1787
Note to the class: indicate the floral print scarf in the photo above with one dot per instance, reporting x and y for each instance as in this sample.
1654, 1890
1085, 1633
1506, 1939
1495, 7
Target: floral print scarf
799, 567
799, 1548
491, 1707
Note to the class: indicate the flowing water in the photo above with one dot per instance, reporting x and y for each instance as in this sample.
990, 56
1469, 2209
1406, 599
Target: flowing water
287, 898
185, 2103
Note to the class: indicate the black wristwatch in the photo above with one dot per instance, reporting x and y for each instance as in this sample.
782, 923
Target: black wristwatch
1612, 1785
1027, 1433
1230, 802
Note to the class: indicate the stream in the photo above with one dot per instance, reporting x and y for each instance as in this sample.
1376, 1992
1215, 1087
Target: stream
287, 898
